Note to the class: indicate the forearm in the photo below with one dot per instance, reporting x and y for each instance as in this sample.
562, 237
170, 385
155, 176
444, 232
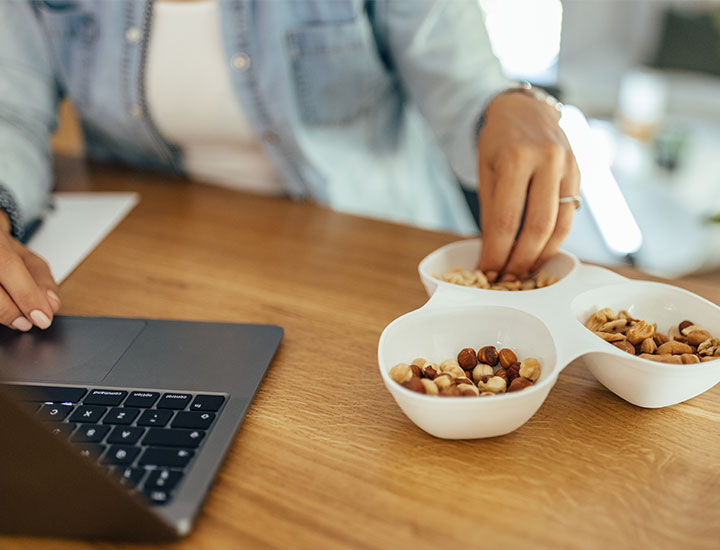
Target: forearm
442, 53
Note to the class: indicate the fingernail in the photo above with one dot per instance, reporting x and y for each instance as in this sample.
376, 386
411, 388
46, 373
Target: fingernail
491, 275
508, 278
22, 324
54, 300
40, 319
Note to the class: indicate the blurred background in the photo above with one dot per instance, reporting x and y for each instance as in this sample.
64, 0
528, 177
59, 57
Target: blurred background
645, 76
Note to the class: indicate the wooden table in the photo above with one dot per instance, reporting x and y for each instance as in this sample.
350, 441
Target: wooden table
325, 458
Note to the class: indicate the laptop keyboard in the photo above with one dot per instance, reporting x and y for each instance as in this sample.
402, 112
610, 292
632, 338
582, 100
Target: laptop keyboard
147, 438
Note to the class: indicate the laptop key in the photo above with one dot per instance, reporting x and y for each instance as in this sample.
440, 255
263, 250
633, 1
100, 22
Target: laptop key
172, 458
207, 403
142, 399
53, 413
121, 454
121, 415
201, 420
173, 438
62, 429
164, 480
90, 433
130, 477
90, 450
110, 398
88, 413
174, 401
54, 394
125, 435
157, 496
154, 417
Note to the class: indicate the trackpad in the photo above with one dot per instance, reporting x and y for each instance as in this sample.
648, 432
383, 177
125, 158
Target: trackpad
73, 349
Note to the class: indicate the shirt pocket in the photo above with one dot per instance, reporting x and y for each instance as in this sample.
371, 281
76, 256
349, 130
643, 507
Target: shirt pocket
73, 33
337, 72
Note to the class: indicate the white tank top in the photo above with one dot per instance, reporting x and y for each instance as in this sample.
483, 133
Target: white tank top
191, 100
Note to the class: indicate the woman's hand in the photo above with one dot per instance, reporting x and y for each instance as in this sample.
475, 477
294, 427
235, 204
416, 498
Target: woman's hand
28, 292
525, 164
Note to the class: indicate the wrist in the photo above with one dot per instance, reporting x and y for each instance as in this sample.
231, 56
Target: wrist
5, 225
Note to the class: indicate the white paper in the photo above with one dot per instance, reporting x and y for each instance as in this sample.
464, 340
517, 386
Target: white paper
76, 226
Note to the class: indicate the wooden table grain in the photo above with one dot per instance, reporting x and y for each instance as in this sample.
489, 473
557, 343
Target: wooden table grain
325, 459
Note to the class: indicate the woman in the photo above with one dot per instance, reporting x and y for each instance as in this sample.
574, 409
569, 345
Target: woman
375, 108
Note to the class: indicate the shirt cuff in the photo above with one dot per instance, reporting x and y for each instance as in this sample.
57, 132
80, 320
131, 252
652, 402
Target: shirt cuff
9, 206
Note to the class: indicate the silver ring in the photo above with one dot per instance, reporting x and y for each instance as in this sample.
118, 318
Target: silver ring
576, 199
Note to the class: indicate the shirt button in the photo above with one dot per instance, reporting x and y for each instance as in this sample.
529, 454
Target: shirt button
240, 61
136, 112
133, 35
270, 136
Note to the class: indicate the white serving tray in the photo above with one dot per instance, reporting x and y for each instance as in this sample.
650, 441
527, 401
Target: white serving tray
547, 324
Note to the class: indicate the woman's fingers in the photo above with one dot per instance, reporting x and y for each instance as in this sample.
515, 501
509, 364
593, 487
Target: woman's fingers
21, 288
40, 272
540, 216
502, 210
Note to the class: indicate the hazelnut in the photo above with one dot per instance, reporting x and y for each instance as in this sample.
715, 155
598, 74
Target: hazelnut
506, 357
673, 348
513, 371
443, 381
493, 384
481, 370
488, 355
401, 373
415, 384
430, 387
519, 383
451, 391
463, 380
468, 390
502, 373
451, 367
486, 393
648, 346
419, 362
625, 346
467, 358
530, 369
431, 370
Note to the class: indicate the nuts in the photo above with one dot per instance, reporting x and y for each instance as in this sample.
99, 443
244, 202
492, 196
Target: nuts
685, 343
493, 384
639, 332
625, 346
401, 373
477, 279
467, 358
480, 371
488, 355
519, 383
530, 369
673, 348
506, 357
449, 379
648, 346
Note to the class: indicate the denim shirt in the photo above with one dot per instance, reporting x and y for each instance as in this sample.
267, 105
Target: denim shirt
370, 107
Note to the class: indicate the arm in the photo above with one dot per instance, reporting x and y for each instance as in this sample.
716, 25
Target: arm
28, 100
442, 53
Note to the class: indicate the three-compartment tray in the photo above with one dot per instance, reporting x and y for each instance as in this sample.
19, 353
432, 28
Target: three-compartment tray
547, 324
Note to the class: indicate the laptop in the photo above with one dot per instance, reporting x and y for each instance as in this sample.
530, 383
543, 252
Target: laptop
114, 428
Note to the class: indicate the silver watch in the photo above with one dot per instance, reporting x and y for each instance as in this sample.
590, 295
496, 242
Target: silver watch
537, 93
